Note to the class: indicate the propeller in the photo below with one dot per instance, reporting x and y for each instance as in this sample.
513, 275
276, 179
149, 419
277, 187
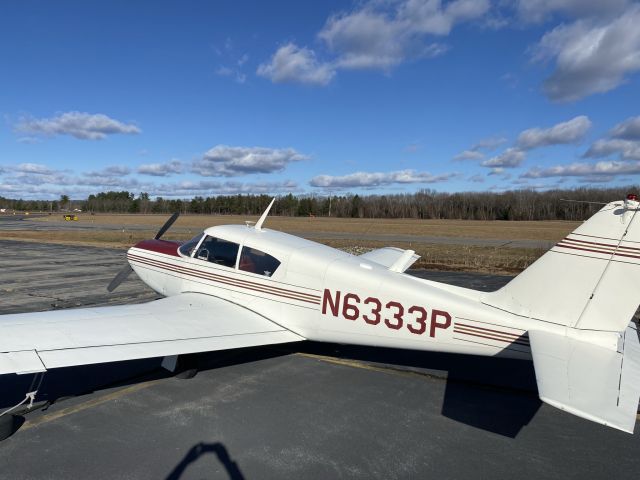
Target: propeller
119, 278
167, 225
124, 273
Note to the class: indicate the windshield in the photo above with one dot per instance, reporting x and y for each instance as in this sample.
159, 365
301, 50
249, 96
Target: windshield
187, 248
219, 251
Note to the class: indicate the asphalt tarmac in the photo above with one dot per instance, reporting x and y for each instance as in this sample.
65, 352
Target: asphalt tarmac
303, 410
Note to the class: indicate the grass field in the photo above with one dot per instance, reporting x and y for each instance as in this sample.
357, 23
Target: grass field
435, 256
535, 230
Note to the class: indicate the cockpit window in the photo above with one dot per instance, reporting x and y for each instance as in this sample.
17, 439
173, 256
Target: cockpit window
187, 248
255, 261
218, 251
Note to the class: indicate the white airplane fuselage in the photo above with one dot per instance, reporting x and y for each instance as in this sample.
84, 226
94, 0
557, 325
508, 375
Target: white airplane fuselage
327, 295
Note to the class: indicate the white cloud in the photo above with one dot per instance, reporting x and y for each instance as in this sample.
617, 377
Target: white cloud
37, 181
28, 140
110, 171
84, 126
431, 17
384, 34
364, 39
489, 143
628, 130
510, 158
627, 149
236, 73
293, 64
226, 161
474, 153
208, 187
580, 169
535, 11
34, 168
623, 140
469, 155
562, 133
591, 56
374, 179
161, 169
377, 34
223, 71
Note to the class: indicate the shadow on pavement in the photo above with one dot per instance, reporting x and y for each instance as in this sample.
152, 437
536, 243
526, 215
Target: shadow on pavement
63, 383
494, 394
201, 449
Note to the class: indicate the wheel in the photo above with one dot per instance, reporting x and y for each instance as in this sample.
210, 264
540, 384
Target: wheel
9, 424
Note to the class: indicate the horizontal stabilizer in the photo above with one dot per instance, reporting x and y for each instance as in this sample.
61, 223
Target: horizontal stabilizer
390, 257
588, 380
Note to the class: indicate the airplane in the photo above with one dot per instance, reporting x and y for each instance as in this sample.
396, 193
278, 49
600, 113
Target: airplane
237, 286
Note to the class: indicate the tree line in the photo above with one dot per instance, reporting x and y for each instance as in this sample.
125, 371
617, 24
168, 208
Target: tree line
424, 204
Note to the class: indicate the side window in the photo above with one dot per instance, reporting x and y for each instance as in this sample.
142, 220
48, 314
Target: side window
218, 251
187, 247
255, 261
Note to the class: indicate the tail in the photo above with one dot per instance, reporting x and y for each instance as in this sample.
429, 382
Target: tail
588, 281
588, 284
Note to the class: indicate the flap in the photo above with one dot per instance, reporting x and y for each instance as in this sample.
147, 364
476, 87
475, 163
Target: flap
185, 323
21, 362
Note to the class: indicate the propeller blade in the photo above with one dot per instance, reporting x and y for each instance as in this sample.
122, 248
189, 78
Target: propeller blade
167, 225
119, 278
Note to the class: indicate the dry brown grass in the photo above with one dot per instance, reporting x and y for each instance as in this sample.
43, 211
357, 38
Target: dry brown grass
434, 256
535, 230
456, 257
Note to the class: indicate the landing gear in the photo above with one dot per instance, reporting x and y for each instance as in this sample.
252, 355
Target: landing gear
9, 424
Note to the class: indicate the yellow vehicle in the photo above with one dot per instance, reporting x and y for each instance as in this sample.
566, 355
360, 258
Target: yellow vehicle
70, 218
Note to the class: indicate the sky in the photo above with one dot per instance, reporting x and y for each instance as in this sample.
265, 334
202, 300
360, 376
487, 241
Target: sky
203, 98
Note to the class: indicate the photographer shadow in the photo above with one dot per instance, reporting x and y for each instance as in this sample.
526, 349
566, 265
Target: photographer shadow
200, 449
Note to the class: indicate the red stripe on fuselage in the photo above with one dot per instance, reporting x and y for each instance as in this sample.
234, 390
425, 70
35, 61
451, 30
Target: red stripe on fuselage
257, 287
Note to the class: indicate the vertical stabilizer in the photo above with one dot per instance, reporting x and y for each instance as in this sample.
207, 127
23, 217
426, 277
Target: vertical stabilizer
589, 280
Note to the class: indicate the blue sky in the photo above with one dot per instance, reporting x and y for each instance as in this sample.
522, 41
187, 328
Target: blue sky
180, 99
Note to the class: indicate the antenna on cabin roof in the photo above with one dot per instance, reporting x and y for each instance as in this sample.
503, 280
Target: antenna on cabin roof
264, 215
582, 201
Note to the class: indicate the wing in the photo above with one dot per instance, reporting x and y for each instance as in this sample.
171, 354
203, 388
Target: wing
393, 258
185, 323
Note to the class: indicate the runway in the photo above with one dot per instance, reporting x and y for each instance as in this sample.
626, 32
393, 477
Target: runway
298, 411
